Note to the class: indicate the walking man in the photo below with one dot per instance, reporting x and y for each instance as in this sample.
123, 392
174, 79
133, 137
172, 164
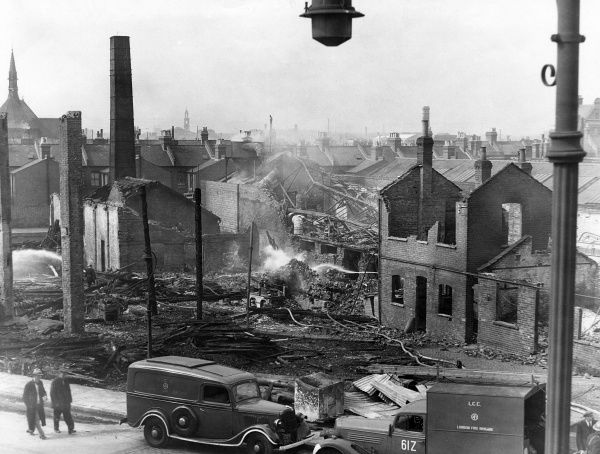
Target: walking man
60, 394
583, 429
34, 396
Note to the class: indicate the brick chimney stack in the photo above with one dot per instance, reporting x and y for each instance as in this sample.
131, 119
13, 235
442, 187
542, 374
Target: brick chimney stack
425, 158
6, 269
204, 135
396, 141
483, 167
71, 221
425, 142
122, 130
491, 136
523, 164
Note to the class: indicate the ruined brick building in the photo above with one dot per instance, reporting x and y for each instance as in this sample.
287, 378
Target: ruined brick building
436, 236
114, 237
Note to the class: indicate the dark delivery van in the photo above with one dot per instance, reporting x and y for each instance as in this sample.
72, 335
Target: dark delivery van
454, 418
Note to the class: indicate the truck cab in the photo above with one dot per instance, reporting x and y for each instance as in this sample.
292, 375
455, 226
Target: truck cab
465, 418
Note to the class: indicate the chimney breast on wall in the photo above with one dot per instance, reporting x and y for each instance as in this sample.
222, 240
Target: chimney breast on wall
523, 164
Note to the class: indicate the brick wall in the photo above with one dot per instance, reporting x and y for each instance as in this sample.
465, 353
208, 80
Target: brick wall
586, 355
171, 209
440, 264
239, 205
222, 199
413, 213
257, 205
517, 338
6, 269
32, 186
510, 185
72, 226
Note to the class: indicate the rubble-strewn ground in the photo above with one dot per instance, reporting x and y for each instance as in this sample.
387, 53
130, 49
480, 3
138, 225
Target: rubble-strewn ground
319, 325
300, 322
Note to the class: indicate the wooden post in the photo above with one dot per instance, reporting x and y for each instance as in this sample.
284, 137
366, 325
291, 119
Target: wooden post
199, 274
151, 306
249, 275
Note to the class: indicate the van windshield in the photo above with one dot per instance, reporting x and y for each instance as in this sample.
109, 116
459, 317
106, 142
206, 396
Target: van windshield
246, 390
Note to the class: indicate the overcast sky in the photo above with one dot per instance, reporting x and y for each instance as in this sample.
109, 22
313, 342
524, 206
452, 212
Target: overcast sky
233, 62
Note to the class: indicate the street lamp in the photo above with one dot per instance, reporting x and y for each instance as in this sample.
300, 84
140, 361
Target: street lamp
331, 20
332, 25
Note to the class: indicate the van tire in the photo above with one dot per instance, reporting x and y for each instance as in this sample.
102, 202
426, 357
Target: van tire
155, 432
257, 443
184, 421
328, 450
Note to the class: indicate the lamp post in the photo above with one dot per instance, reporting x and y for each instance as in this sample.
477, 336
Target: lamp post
565, 154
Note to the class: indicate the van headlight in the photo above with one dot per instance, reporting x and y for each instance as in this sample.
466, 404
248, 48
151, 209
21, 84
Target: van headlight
316, 448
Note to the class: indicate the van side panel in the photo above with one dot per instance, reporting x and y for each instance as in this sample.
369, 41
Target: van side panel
474, 424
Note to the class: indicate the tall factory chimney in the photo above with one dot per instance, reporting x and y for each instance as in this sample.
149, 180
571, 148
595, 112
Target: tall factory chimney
122, 132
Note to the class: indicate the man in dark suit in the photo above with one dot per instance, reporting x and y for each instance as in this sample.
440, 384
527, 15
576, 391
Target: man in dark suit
593, 442
60, 394
34, 395
583, 429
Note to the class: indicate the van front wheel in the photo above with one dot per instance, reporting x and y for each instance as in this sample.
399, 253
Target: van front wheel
257, 443
155, 432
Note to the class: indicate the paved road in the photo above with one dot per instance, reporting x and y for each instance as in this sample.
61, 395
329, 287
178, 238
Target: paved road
90, 438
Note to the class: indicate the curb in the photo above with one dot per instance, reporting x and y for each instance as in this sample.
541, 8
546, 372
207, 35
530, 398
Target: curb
80, 413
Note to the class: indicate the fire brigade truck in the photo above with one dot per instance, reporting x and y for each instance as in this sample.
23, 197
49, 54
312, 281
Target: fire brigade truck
453, 418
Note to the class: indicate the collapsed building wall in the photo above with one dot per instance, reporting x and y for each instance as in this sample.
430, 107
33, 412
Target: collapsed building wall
514, 301
239, 205
422, 283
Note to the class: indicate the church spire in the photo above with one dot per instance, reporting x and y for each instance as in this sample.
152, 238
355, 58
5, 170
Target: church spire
186, 120
13, 89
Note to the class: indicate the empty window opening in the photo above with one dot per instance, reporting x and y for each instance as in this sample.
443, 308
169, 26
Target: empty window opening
447, 231
507, 303
421, 304
511, 222
445, 300
397, 289
327, 249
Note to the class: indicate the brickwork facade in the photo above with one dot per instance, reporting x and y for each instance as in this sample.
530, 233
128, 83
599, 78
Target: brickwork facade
436, 274
440, 264
485, 232
71, 215
114, 236
239, 205
32, 185
518, 338
531, 268
6, 268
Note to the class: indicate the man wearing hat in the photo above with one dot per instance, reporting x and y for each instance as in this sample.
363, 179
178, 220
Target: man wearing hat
34, 396
60, 394
593, 441
583, 429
